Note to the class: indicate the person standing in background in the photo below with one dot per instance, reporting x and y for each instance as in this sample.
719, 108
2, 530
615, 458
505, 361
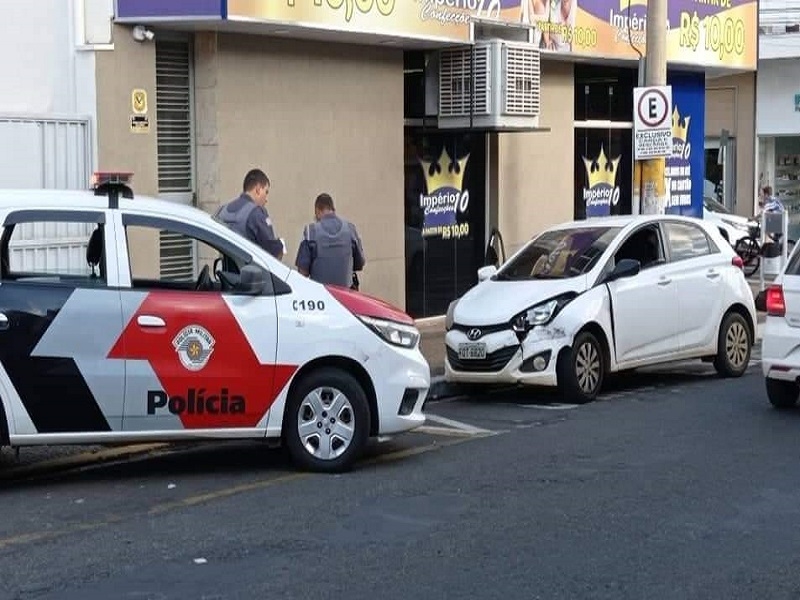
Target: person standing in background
331, 251
248, 216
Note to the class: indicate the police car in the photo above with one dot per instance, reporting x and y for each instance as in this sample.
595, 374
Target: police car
101, 341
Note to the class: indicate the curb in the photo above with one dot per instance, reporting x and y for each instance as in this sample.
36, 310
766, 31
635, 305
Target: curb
440, 388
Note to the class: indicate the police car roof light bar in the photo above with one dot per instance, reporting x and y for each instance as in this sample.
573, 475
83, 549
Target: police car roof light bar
112, 184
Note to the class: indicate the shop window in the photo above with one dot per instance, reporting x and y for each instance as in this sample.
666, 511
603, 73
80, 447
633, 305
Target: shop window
604, 93
603, 172
445, 209
414, 82
720, 172
786, 184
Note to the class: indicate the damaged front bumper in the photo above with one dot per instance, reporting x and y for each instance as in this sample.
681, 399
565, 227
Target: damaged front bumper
500, 357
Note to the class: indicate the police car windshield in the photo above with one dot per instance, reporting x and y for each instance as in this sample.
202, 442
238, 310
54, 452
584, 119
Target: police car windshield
559, 254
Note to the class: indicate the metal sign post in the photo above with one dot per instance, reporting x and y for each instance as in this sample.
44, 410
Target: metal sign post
773, 223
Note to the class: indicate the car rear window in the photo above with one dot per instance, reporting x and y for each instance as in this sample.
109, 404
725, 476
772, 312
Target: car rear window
559, 254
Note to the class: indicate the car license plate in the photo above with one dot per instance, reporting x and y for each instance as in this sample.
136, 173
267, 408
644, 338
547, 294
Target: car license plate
472, 351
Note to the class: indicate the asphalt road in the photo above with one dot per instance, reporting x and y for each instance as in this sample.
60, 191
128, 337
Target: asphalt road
674, 485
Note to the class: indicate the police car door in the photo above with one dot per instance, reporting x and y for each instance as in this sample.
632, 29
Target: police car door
59, 316
197, 358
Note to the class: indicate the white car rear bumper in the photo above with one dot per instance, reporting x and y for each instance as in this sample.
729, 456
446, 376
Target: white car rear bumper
780, 350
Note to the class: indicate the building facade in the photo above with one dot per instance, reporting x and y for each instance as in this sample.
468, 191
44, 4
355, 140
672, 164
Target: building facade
778, 103
343, 96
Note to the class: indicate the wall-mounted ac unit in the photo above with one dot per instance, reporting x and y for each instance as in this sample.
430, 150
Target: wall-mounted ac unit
494, 84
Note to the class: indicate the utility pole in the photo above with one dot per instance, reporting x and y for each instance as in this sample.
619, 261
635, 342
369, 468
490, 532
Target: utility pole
651, 173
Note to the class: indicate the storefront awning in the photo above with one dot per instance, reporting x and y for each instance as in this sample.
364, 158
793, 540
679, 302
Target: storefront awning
718, 36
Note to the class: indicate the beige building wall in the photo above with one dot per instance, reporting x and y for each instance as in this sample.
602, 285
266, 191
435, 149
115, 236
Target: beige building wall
536, 170
315, 117
730, 104
129, 66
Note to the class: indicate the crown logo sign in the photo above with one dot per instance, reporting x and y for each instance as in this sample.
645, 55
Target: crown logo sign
601, 169
447, 173
679, 132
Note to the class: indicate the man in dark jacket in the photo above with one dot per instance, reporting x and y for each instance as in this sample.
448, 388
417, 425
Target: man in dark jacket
248, 216
331, 250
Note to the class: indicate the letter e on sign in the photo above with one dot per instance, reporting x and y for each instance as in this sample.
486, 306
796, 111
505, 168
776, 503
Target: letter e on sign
652, 108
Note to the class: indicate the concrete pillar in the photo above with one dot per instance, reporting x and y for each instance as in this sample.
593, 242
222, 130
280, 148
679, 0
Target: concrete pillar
206, 69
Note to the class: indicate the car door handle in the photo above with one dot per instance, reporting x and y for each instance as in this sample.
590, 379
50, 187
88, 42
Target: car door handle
150, 321
4, 322
712, 274
664, 281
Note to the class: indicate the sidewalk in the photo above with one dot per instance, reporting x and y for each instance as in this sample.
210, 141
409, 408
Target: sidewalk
432, 345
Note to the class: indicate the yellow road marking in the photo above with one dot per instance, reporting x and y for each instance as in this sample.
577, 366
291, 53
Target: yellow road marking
82, 459
39, 536
224, 493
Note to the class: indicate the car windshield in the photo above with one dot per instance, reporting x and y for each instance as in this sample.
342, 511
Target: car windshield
715, 206
559, 254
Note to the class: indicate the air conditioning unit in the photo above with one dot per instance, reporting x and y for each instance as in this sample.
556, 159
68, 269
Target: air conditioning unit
494, 84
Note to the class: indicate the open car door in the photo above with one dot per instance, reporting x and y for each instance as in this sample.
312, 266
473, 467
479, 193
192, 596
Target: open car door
495, 250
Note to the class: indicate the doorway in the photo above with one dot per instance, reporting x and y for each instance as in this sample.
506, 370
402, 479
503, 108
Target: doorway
445, 216
720, 182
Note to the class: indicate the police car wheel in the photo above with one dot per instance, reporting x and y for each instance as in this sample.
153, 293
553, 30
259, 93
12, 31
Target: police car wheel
326, 424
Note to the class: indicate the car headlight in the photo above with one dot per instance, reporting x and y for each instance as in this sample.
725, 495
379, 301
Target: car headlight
448, 319
540, 314
397, 334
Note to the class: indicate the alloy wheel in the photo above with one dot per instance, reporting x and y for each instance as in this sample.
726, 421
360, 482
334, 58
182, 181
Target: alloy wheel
587, 367
736, 341
325, 423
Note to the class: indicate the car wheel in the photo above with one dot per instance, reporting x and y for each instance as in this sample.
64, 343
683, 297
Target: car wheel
782, 394
581, 369
750, 253
326, 423
733, 346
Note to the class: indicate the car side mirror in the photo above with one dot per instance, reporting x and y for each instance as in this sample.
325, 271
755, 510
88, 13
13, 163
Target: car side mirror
486, 272
252, 281
627, 267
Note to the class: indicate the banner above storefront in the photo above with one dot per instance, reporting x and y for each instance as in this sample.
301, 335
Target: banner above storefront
710, 33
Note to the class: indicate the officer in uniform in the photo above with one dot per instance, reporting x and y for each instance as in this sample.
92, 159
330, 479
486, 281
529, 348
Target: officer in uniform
248, 216
331, 251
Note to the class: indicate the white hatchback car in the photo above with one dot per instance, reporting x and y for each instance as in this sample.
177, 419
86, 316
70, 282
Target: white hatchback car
591, 297
733, 227
780, 346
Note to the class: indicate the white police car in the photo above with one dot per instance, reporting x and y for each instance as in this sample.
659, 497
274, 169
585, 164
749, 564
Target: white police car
100, 343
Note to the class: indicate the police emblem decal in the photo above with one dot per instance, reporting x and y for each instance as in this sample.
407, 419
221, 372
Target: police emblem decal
194, 346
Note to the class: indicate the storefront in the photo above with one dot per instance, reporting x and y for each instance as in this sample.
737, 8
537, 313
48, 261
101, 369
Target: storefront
778, 130
335, 96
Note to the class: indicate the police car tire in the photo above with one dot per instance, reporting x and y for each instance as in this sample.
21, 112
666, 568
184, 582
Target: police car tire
348, 385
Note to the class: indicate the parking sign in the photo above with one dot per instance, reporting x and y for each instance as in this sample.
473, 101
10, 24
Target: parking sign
652, 128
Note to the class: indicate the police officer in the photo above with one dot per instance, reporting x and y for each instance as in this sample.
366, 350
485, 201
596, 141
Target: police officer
331, 250
248, 216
